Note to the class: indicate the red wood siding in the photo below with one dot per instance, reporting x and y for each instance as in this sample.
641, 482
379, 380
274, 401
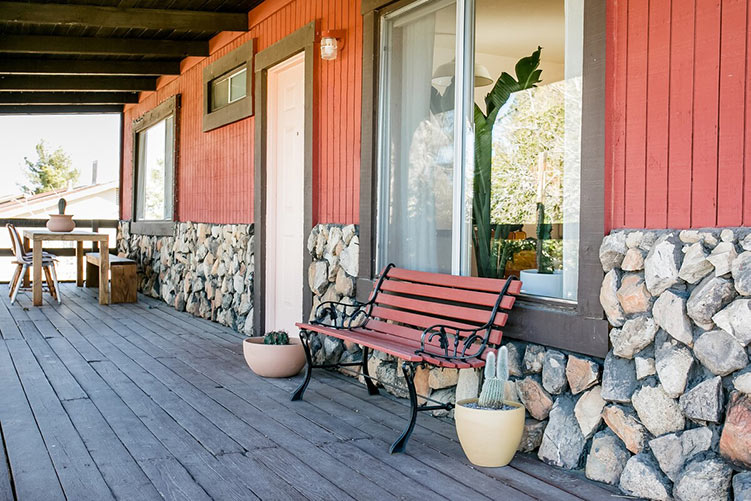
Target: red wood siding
215, 169
678, 147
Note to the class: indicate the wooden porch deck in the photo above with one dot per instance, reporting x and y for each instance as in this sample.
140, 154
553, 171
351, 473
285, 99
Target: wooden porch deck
143, 402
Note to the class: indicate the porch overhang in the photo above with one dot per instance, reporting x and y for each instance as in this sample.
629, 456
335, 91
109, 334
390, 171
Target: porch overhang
85, 57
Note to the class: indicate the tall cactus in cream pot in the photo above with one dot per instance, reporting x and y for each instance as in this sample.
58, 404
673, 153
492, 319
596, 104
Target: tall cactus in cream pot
490, 427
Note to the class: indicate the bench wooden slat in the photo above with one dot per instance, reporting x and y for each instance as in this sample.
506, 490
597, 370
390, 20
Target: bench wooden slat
415, 345
396, 347
455, 281
416, 320
441, 309
411, 333
391, 348
445, 293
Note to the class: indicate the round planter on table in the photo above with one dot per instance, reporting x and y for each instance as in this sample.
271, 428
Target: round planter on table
274, 360
489, 437
61, 223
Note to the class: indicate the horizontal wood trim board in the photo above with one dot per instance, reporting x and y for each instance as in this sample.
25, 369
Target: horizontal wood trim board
51, 109
88, 67
75, 83
68, 97
41, 223
118, 17
286, 47
153, 228
35, 44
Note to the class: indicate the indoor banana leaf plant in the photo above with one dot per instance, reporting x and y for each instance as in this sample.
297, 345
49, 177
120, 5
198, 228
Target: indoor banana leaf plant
490, 252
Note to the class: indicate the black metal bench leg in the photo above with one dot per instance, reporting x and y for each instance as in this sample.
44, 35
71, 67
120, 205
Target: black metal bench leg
305, 341
409, 375
372, 388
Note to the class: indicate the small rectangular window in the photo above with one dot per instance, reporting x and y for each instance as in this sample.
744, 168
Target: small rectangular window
227, 93
228, 89
237, 85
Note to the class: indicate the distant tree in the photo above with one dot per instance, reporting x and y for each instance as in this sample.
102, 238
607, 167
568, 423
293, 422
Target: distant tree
53, 170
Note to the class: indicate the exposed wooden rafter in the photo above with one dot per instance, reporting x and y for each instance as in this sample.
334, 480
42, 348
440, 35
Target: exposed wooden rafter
118, 17
32, 44
68, 97
75, 83
47, 109
87, 67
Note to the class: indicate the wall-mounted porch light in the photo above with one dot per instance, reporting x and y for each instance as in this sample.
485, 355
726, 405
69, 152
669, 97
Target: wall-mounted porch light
331, 42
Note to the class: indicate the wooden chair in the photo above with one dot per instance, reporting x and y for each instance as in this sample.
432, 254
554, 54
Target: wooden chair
24, 260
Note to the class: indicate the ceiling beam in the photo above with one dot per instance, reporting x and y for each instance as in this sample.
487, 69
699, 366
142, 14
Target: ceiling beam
75, 83
117, 17
32, 44
44, 109
68, 97
10, 66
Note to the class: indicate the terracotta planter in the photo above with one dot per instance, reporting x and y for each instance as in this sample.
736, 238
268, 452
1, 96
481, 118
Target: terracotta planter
489, 437
272, 360
61, 223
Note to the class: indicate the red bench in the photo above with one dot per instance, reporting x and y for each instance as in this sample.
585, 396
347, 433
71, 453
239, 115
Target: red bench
421, 318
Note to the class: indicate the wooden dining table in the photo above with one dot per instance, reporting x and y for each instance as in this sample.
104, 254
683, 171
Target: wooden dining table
37, 239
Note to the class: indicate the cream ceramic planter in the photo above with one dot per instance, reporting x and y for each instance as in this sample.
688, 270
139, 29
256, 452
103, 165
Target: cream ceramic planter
61, 223
273, 360
489, 437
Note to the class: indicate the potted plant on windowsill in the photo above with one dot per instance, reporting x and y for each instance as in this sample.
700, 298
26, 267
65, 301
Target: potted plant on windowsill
61, 222
274, 355
543, 281
490, 428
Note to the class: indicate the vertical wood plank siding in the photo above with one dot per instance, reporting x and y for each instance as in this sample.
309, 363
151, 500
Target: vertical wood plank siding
678, 143
679, 138
215, 169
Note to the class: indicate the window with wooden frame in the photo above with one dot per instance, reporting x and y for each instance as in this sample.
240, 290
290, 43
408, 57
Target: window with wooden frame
154, 157
427, 67
227, 88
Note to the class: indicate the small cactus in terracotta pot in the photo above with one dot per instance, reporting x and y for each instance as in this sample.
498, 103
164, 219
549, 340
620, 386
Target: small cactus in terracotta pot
61, 222
490, 427
274, 355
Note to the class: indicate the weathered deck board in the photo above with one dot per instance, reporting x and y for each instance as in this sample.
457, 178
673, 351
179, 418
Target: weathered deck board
6, 490
139, 400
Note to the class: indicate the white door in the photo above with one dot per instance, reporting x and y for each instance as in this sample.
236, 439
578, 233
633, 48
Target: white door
285, 168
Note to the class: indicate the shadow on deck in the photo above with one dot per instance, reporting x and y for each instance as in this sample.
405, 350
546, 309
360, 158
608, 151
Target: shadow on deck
142, 402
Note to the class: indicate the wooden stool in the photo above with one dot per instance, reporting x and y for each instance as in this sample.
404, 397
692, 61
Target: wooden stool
124, 277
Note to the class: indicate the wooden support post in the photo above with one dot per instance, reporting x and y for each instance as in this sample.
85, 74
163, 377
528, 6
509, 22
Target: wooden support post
37, 273
104, 272
79, 263
26, 279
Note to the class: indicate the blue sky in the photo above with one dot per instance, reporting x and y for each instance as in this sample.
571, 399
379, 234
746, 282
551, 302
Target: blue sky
84, 137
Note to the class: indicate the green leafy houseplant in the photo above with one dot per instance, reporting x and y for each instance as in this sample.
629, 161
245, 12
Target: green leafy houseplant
276, 337
489, 251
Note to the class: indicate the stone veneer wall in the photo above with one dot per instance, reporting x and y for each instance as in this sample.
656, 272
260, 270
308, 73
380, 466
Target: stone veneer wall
677, 379
666, 414
204, 269
334, 250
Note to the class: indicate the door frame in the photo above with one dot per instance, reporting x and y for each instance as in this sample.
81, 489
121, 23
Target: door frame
302, 40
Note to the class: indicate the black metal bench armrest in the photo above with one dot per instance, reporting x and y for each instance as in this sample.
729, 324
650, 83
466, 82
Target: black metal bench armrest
342, 315
452, 346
